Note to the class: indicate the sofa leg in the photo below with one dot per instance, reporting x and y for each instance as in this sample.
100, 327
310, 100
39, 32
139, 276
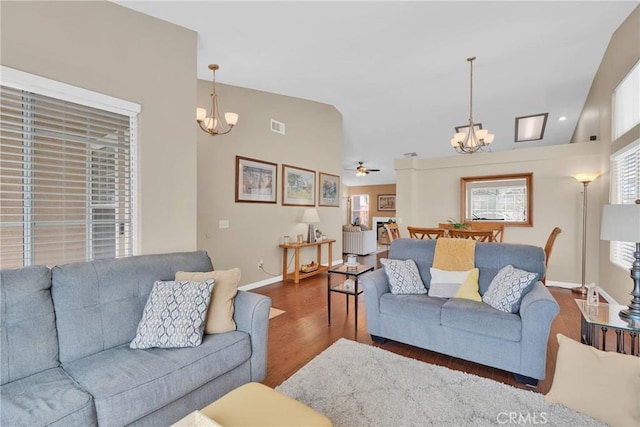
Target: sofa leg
379, 340
528, 381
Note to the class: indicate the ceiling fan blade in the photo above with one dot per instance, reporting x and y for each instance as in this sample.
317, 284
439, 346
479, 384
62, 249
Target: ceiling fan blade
373, 170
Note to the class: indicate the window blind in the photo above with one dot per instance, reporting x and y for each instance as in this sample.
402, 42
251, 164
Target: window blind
625, 186
66, 180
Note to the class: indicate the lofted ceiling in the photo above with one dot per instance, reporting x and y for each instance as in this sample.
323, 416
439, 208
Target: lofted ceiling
397, 71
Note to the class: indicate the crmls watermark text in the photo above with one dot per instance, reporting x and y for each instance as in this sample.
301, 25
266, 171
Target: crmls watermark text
531, 418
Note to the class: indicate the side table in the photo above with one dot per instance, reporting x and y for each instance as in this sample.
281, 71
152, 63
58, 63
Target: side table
298, 275
604, 316
348, 272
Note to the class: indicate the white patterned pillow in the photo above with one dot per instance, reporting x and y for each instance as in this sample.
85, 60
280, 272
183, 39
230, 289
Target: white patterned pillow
174, 315
404, 277
508, 287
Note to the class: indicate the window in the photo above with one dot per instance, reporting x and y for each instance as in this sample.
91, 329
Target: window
67, 175
360, 209
498, 198
625, 189
626, 103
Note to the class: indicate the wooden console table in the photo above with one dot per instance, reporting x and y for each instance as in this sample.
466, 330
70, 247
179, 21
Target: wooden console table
298, 275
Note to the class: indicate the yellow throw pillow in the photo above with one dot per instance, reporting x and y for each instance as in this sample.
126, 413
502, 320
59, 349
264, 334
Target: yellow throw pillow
225, 288
602, 384
455, 284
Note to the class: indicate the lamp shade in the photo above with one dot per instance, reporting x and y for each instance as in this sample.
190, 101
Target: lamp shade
310, 216
621, 223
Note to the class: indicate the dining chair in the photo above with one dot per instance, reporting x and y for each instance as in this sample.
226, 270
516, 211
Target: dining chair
422, 233
393, 232
496, 228
547, 249
478, 235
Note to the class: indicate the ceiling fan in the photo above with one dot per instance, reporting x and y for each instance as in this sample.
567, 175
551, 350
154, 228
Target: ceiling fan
362, 170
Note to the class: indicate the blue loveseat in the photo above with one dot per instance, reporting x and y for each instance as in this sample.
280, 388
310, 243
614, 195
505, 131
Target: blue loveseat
65, 356
463, 328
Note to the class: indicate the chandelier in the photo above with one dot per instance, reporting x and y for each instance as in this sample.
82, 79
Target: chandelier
212, 124
475, 138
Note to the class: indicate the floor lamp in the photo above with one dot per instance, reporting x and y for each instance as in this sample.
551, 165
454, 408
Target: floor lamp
585, 179
621, 223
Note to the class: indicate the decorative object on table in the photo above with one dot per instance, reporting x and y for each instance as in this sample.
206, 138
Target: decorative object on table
298, 186
621, 223
310, 216
592, 294
256, 180
212, 124
471, 138
285, 240
328, 190
585, 179
386, 202
457, 225
349, 284
352, 260
299, 238
306, 268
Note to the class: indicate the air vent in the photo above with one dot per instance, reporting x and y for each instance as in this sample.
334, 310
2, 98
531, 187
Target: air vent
411, 154
277, 127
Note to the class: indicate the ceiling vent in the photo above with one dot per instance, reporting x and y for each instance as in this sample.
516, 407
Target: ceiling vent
277, 127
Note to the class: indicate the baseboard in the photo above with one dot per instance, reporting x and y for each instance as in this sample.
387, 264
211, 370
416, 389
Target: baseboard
275, 279
568, 285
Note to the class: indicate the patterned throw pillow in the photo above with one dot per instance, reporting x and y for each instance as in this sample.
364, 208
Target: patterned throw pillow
404, 277
508, 287
454, 284
174, 315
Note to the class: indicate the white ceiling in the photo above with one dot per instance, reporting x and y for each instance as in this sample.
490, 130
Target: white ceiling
397, 71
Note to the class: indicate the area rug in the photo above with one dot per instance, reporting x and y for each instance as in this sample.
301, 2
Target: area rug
361, 385
274, 312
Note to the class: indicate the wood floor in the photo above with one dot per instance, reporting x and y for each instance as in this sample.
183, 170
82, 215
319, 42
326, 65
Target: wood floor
302, 332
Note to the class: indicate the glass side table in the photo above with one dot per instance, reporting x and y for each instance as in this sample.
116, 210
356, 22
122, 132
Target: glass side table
603, 317
348, 287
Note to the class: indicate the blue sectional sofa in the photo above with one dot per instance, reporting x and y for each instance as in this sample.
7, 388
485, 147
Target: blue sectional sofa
65, 356
463, 328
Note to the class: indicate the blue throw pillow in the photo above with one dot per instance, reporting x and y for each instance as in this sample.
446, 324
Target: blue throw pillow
404, 277
508, 287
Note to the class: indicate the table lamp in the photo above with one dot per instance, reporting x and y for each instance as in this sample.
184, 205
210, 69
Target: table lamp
621, 223
310, 216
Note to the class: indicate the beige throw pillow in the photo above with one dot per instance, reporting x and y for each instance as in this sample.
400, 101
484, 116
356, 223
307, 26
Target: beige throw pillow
602, 384
225, 288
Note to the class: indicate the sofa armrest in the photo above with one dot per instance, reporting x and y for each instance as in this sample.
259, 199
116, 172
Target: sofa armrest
251, 314
374, 284
537, 311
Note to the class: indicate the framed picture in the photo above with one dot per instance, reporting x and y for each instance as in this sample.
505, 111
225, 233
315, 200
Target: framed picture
256, 181
386, 202
328, 190
298, 186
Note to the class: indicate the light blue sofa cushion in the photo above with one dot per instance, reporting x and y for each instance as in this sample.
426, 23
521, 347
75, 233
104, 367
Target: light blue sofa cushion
481, 318
48, 398
128, 384
99, 304
26, 317
422, 308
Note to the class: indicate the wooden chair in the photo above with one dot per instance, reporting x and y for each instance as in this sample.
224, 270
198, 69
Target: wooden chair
421, 233
478, 235
496, 229
547, 249
393, 232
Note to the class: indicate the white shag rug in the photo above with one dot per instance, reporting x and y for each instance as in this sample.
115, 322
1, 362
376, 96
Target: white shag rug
356, 384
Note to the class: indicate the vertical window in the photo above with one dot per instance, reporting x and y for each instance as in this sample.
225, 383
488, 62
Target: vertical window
625, 189
360, 209
67, 173
626, 103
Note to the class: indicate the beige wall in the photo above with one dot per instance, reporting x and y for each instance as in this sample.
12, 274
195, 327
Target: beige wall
313, 140
113, 50
428, 192
622, 53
